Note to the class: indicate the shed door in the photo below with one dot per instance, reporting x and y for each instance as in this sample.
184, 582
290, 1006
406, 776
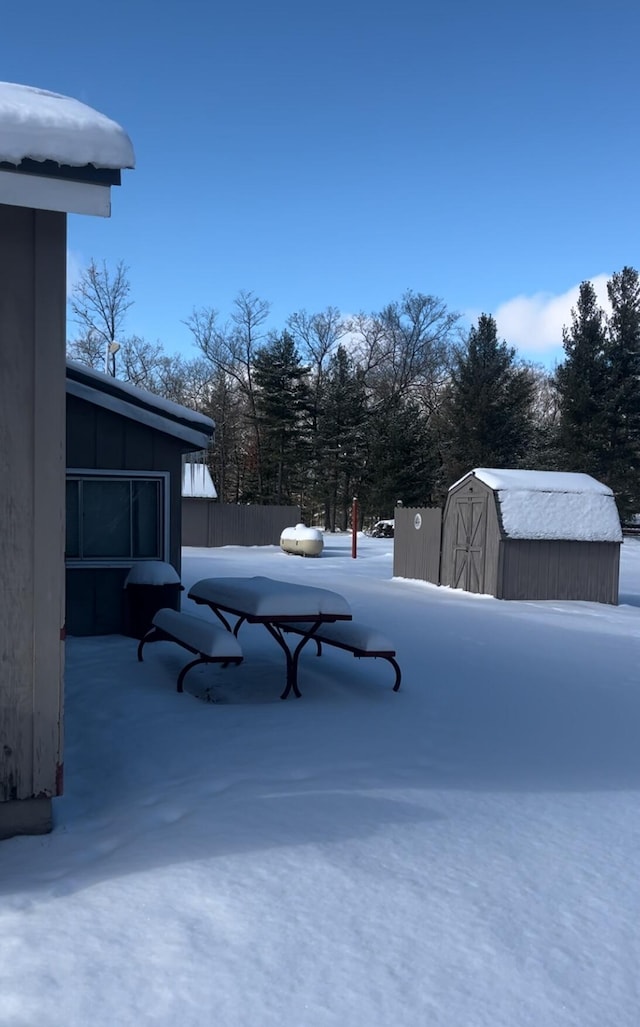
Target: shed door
468, 547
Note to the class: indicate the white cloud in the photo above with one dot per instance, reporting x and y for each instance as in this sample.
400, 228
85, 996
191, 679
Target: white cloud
533, 324
75, 267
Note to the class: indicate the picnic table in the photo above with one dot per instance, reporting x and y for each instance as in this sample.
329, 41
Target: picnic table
272, 603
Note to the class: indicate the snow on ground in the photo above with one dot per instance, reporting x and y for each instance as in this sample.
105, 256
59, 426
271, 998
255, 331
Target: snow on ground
461, 853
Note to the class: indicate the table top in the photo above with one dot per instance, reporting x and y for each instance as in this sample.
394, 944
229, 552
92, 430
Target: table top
270, 599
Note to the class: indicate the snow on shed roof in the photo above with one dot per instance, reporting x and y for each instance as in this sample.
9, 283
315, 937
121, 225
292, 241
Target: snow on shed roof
197, 482
38, 125
140, 405
540, 481
553, 505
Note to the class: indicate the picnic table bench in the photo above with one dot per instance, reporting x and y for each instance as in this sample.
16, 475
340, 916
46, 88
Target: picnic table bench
208, 642
354, 637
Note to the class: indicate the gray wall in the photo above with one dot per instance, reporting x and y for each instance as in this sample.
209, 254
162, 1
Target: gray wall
101, 439
32, 410
587, 571
416, 543
207, 523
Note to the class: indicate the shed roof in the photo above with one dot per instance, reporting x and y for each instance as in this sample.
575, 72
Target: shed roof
197, 482
553, 505
140, 405
540, 481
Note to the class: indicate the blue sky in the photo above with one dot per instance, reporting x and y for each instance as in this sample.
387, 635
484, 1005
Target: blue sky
340, 153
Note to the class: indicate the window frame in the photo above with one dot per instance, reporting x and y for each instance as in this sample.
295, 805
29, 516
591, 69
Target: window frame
85, 473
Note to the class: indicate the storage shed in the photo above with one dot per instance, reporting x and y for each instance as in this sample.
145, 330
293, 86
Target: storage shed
531, 535
197, 482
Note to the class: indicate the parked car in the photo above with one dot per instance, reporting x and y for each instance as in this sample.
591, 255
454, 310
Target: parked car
382, 529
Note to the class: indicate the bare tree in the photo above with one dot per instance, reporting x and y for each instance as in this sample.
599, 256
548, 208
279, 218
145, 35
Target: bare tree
232, 350
100, 301
140, 362
405, 348
88, 349
189, 382
368, 343
317, 335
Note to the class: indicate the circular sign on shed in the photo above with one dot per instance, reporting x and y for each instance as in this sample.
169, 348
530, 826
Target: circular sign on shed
417, 521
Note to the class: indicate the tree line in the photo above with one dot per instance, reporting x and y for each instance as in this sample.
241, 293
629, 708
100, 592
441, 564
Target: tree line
390, 406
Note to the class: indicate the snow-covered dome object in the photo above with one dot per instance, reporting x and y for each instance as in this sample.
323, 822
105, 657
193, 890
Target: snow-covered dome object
302, 541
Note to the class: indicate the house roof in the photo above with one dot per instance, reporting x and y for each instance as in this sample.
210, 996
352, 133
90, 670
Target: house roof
37, 125
140, 405
553, 505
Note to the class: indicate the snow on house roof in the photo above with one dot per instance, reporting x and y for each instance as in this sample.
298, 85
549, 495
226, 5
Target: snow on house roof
553, 505
140, 405
38, 125
197, 482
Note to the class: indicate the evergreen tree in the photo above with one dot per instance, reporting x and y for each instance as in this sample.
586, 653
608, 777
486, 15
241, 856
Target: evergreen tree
543, 451
623, 390
341, 438
402, 461
488, 406
281, 407
581, 382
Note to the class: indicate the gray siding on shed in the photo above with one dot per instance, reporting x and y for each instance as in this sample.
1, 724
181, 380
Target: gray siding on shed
99, 439
560, 570
416, 550
207, 523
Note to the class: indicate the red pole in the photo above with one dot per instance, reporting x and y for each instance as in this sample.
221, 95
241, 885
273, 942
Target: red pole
354, 528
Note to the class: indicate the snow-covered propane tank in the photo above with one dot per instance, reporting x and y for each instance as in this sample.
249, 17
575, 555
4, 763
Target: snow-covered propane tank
302, 541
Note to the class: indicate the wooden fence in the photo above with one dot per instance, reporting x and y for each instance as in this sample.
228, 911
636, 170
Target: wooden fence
206, 522
416, 545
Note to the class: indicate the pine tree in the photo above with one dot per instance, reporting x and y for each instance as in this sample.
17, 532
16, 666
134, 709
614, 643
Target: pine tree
341, 438
581, 381
281, 405
487, 410
623, 390
402, 460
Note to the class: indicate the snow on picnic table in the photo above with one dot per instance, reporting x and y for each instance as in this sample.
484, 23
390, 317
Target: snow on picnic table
461, 853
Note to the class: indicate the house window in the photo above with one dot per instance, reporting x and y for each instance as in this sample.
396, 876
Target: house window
115, 518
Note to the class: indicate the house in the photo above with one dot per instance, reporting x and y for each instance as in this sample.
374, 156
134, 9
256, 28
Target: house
125, 450
57, 156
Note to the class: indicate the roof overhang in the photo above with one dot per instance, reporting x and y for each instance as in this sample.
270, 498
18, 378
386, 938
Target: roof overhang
46, 192
57, 153
194, 430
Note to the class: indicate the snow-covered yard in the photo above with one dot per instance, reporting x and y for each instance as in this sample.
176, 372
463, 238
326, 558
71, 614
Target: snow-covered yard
463, 853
